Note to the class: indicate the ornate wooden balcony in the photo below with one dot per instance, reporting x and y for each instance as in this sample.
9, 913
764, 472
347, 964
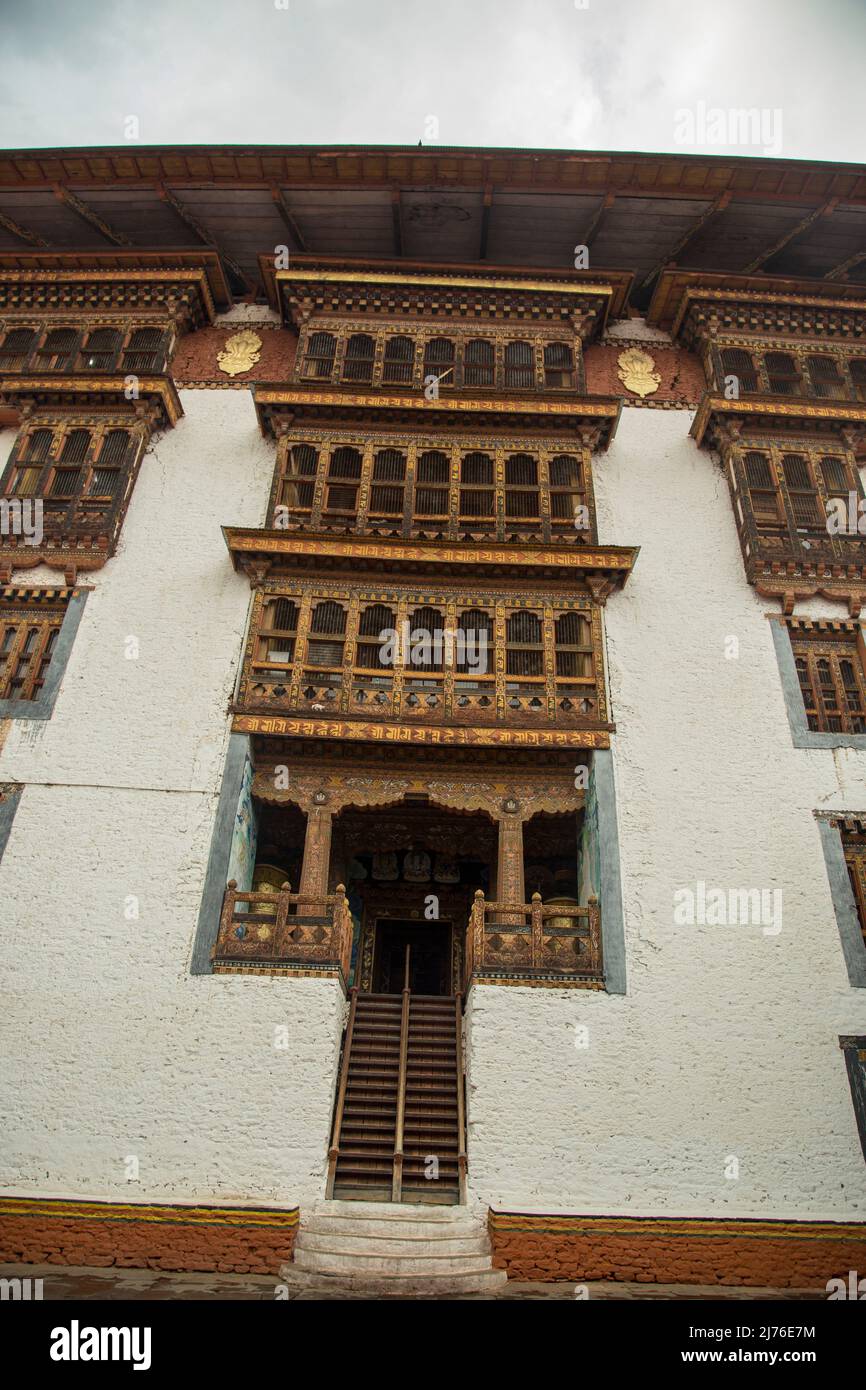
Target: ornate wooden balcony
534, 944
284, 933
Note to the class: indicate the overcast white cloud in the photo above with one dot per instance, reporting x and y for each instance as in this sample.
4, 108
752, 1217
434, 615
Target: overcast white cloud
616, 75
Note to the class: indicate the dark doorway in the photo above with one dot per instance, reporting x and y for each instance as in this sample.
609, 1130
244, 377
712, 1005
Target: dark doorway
429, 957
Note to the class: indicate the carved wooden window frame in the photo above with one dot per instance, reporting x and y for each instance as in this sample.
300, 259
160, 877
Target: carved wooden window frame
830, 661
801, 352
127, 358
30, 623
78, 508
854, 850
742, 474
568, 685
451, 375
301, 489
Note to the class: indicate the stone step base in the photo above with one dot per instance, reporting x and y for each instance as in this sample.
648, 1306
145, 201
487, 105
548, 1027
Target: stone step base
484, 1282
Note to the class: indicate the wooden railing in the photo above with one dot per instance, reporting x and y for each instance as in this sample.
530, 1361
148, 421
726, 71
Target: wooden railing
534, 940
285, 929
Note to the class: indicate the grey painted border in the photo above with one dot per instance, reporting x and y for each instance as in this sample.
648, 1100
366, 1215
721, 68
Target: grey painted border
610, 897
41, 707
857, 1082
216, 874
844, 906
8, 807
802, 735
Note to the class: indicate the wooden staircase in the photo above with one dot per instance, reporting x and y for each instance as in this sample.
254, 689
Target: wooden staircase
399, 1127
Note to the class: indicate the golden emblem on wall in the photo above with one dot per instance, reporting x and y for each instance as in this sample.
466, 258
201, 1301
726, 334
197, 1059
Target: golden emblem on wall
241, 352
637, 372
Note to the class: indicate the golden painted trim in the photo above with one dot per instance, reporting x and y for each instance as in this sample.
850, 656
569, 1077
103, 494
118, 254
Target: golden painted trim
156, 1213
248, 540
444, 735
675, 1227
456, 282
584, 406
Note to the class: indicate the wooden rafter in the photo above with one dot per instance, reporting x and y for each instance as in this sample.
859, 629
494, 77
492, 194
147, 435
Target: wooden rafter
679, 246
802, 226
201, 231
288, 219
89, 215
840, 271
24, 233
595, 221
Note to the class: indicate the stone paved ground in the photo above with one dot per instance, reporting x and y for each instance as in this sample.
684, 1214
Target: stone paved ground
67, 1282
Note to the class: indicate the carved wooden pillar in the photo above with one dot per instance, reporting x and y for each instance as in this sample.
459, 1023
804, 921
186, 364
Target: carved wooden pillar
317, 856
509, 869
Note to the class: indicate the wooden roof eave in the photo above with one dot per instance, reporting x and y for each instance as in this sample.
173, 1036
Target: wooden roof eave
677, 290
603, 568
293, 404
786, 412
614, 285
84, 392
201, 268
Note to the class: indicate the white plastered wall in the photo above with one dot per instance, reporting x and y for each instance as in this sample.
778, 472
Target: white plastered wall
111, 1049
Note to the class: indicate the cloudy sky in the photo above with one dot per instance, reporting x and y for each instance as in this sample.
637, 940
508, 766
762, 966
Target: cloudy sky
581, 74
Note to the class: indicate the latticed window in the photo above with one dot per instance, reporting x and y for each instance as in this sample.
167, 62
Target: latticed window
829, 665
826, 377
854, 847
144, 351
567, 493
321, 351
574, 646
439, 361
857, 368
521, 487
278, 631
783, 375
427, 637
475, 648
298, 483
55, 353
524, 647
68, 472
30, 627
99, 350
360, 355
398, 361
106, 477
803, 494
89, 474
32, 458
344, 476
15, 349
738, 363
477, 497
389, 484
376, 627
558, 365
479, 363
837, 485
519, 365
433, 473
327, 634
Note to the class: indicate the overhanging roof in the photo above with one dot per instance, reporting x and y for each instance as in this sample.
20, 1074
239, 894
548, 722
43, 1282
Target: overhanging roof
635, 212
